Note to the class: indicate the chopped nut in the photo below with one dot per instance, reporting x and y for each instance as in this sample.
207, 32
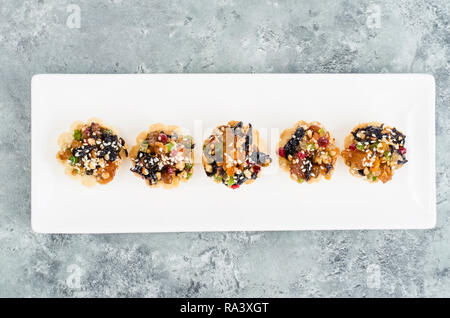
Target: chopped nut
180, 165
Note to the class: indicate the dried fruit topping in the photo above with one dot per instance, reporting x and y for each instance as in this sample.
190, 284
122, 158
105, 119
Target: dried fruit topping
301, 155
164, 156
163, 138
281, 152
291, 147
299, 133
170, 170
310, 151
95, 150
381, 151
323, 142
233, 156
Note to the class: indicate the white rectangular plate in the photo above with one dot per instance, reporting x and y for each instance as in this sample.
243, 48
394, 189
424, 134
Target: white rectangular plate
199, 102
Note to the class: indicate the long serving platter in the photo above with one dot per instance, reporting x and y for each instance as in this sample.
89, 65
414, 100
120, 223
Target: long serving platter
200, 102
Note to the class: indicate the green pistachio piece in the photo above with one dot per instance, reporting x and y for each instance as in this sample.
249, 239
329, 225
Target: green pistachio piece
77, 134
169, 146
73, 160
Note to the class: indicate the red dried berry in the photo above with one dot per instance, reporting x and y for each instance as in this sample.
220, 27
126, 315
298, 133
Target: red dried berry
256, 169
281, 152
402, 150
323, 142
301, 155
163, 138
235, 186
352, 147
170, 170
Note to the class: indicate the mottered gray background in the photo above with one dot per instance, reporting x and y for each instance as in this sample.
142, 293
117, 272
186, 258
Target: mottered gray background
124, 36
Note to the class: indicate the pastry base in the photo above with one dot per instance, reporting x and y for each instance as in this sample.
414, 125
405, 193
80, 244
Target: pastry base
65, 140
135, 149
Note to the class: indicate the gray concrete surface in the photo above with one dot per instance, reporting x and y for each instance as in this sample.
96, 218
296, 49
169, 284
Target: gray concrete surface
125, 36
